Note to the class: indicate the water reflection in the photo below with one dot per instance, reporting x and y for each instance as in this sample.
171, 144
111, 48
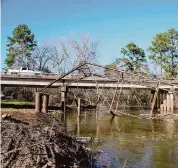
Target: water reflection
170, 128
145, 143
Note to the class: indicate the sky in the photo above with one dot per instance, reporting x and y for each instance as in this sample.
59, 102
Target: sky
113, 23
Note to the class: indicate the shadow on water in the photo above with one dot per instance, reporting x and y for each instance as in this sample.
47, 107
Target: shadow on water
137, 142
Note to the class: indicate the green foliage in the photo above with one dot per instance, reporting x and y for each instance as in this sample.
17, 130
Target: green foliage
9, 61
20, 46
164, 52
134, 58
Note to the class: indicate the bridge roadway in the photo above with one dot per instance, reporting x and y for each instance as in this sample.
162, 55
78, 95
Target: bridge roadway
92, 81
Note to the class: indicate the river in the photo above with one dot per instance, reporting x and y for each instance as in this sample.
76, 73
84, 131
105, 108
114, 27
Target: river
137, 143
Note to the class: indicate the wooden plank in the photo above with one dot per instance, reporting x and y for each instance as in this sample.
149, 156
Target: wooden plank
154, 99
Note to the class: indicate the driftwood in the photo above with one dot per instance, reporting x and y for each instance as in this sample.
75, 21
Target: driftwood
114, 113
38, 146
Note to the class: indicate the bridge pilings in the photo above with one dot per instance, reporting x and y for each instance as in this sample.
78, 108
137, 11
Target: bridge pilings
63, 97
164, 103
176, 101
45, 103
41, 102
38, 102
78, 107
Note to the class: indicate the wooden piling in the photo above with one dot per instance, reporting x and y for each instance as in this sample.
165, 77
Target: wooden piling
158, 101
164, 101
154, 99
63, 98
45, 103
97, 129
161, 109
78, 107
161, 102
176, 101
78, 127
38, 102
152, 102
36, 89
165, 106
171, 102
168, 102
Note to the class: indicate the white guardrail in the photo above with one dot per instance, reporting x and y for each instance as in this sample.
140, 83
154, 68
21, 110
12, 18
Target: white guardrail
44, 75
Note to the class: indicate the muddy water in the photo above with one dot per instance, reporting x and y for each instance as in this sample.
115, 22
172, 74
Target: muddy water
138, 143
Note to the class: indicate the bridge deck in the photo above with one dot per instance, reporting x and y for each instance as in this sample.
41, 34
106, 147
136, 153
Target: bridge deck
93, 81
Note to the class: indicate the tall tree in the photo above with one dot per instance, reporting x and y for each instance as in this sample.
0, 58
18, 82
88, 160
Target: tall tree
76, 51
133, 59
44, 58
173, 52
164, 52
20, 47
158, 50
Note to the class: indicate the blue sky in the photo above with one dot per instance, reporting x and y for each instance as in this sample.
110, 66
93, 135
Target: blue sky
113, 23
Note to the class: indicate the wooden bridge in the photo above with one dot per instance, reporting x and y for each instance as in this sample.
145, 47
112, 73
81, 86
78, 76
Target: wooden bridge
164, 92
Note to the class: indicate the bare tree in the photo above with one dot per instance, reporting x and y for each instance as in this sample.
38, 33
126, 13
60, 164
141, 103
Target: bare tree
86, 50
60, 58
48, 58
79, 51
42, 58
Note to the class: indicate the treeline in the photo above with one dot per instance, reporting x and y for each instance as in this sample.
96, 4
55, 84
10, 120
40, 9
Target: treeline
162, 53
22, 50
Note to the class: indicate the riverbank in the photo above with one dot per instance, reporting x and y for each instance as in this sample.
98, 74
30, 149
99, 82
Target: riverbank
29, 139
13, 104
